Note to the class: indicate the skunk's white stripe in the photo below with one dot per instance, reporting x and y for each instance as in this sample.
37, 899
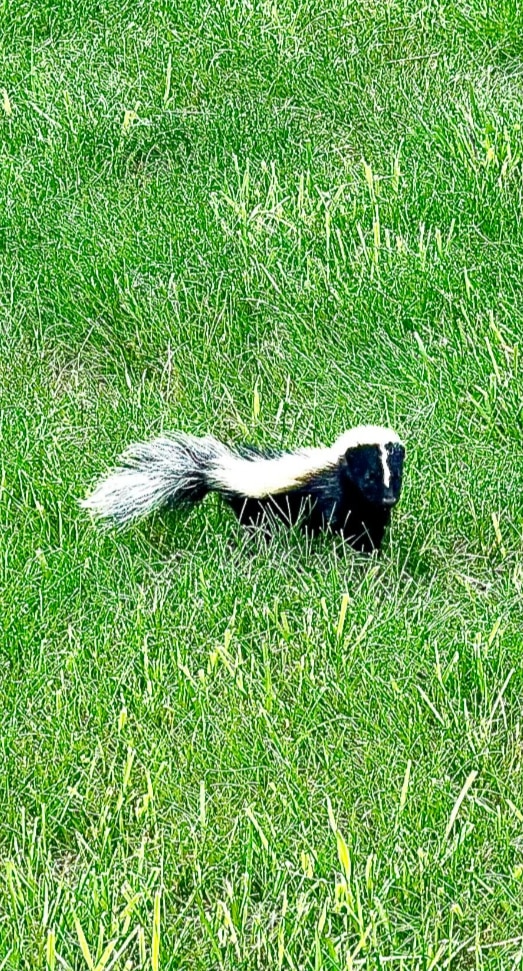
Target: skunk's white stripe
260, 477
366, 435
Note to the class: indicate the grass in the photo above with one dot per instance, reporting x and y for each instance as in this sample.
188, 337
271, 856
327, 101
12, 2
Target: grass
271, 221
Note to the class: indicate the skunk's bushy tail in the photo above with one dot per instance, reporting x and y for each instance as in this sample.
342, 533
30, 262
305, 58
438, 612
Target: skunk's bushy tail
165, 472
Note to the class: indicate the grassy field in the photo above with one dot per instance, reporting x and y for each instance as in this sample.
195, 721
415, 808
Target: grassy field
270, 221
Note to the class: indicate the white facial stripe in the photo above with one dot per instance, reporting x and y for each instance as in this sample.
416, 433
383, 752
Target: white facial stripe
386, 469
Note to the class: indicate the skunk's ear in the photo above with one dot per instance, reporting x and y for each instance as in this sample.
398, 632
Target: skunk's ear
396, 455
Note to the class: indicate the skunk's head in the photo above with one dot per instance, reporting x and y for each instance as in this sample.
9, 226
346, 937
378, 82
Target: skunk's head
373, 461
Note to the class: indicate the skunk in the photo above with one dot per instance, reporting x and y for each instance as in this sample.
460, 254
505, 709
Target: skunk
349, 488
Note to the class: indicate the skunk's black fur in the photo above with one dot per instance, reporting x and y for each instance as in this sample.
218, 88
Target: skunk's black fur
349, 488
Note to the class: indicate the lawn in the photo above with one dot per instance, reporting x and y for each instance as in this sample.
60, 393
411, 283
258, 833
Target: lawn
268, 221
